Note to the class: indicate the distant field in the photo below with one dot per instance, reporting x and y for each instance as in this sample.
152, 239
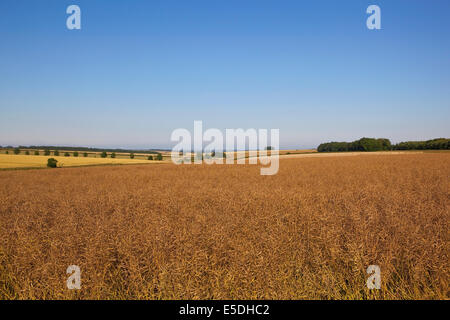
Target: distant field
90, 154
226, 232
9, 161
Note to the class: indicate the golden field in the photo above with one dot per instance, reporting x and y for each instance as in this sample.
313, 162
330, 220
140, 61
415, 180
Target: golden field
8, 161
226, 232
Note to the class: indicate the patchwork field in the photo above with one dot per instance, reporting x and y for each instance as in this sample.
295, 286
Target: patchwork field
9, 161
226, 232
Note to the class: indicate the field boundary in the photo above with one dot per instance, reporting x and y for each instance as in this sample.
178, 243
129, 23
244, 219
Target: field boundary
86, 165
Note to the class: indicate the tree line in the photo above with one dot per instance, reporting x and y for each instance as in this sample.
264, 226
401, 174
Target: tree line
434, 144
382, 144
153, 156
148, 151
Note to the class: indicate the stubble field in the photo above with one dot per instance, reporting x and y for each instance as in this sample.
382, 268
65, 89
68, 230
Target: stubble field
9, 161
226, 232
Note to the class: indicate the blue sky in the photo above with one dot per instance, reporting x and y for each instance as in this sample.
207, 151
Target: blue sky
137, 70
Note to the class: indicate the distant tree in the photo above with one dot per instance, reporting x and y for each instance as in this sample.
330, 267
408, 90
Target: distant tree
85, 154
150, 158
66, 154
56, 153
386, 144
16, 150
132, 155
159, 157
213, 153
51, 162
113, 155
27, 153
75, 153
369, 144
7, 152
103, 154
46, 152
36, 153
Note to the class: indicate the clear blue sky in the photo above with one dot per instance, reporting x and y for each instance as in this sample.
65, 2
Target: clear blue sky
137, 70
